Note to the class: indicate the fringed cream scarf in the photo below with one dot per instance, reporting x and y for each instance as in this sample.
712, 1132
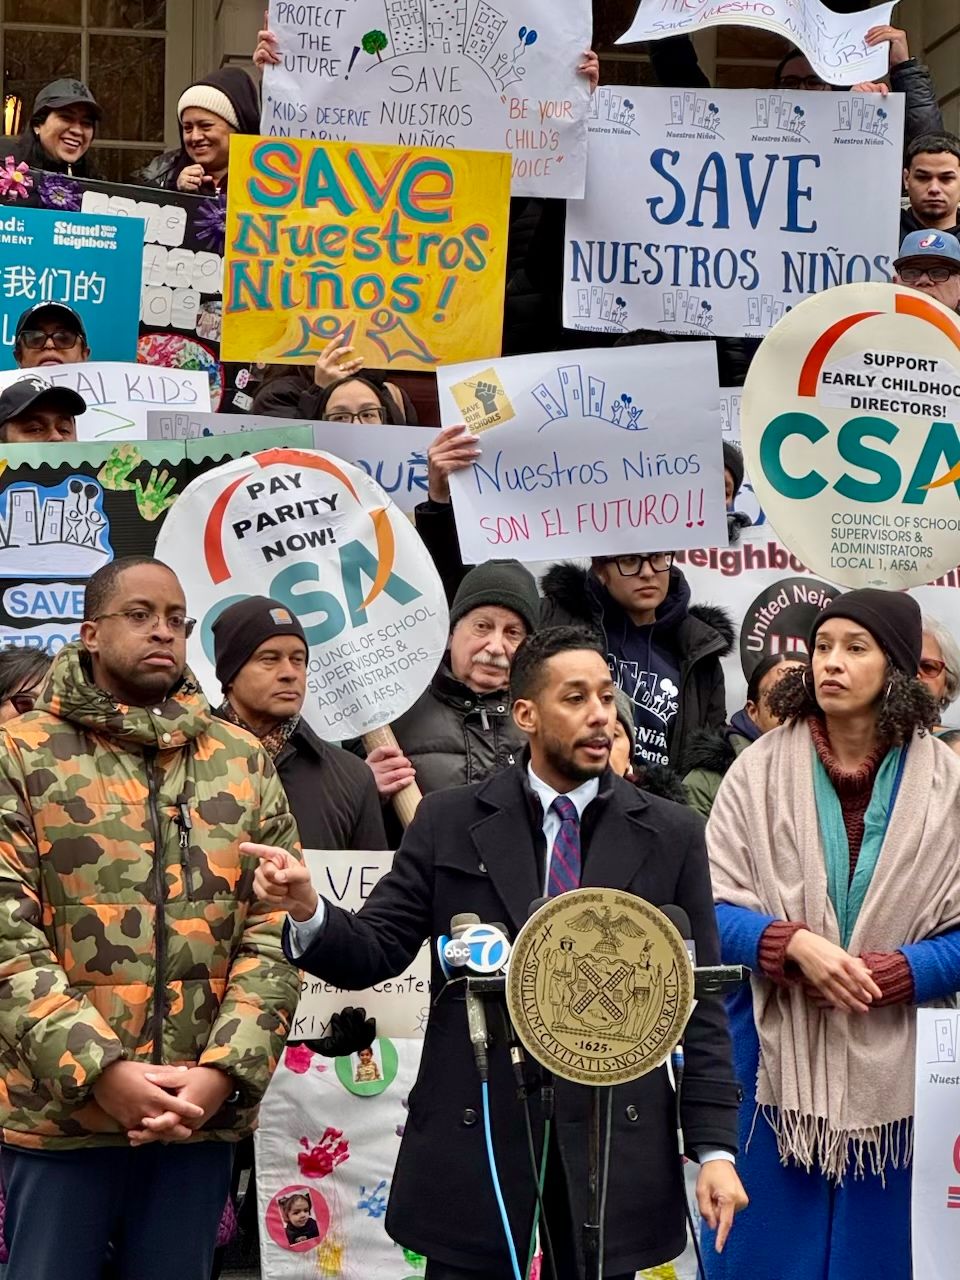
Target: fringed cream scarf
836, 1088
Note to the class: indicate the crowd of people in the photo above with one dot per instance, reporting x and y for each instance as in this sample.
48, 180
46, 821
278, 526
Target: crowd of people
155, 908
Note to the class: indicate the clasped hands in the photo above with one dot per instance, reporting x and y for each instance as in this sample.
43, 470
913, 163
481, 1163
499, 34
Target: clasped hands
156, 1103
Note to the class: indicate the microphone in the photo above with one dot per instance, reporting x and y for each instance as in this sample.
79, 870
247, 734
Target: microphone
452, 952
681, 922
535, 906
709, 979
476, 1014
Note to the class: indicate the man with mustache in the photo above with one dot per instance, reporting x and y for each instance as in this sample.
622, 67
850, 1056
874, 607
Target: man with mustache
460, 730
558, 820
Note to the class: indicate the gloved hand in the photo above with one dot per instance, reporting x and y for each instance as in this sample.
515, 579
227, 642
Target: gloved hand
350, 1031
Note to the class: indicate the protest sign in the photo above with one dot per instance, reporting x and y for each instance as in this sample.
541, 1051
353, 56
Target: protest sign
318, 535
68, 509
324, 1134
745, 207
180, 300
400, 252
772, 599
588, 452
93, 264
848, 430
935, 1227
495, 76
394, 455
120, 396
834, 43
401, 1004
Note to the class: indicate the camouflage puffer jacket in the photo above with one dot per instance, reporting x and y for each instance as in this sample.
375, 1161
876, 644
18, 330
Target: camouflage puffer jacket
128, 924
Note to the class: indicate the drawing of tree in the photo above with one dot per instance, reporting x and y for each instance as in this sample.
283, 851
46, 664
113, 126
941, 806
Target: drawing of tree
374, 42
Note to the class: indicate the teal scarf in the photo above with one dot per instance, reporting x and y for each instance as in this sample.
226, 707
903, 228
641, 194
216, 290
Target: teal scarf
848, 895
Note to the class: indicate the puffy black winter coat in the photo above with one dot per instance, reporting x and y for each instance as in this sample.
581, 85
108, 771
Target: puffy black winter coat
699, 636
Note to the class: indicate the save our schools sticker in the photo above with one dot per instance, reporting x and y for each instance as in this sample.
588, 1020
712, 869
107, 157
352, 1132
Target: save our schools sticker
483, 401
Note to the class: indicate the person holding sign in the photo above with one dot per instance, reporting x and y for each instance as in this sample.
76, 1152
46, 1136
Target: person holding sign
209, 113
493, 848
261, 654
832, 847
60, 130
460, 729
49, 334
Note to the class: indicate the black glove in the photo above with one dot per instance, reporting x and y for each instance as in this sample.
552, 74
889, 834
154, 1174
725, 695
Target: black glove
350, 1031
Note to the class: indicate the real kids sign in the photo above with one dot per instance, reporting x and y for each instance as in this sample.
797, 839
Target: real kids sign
399, 251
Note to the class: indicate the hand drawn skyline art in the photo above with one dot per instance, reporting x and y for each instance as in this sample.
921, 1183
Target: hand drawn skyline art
574, 396
54, 532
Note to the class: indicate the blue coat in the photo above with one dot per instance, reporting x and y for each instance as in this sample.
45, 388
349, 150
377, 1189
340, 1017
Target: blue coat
799, 1226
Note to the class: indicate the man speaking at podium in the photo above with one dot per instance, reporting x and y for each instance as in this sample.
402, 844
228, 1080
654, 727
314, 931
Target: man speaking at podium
557, 820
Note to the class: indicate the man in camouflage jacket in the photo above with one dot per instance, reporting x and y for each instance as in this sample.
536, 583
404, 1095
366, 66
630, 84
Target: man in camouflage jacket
144, 996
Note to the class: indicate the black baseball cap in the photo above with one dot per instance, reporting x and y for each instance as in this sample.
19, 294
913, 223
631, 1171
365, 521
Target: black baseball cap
70, 317
27, 392
65, 93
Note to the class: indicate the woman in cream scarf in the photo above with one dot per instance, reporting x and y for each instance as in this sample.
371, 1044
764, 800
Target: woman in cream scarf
833, 848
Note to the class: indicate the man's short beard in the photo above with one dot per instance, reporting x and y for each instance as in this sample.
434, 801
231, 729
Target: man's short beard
559, 757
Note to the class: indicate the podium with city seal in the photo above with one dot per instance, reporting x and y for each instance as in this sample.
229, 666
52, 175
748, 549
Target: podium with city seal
599, 990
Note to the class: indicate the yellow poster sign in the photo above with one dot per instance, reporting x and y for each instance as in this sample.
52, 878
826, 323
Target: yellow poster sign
399, 251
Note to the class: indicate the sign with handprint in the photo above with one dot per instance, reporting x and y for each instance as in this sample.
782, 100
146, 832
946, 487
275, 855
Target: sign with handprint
317, 534
744, 210
834, 43
399, 252
598, 452
493, 75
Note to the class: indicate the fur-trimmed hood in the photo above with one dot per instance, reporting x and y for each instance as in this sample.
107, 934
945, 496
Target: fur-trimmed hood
712, 752
573, 594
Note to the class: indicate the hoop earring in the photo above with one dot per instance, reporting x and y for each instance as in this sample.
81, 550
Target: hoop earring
886, 693
811, 693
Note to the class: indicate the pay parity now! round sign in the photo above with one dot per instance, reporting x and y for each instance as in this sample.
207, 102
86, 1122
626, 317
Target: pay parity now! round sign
849, 427
324, 540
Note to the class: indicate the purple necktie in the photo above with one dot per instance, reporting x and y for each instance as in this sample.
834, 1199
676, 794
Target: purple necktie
565, 857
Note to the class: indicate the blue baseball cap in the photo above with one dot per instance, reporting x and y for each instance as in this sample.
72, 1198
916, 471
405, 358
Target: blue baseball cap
924, 247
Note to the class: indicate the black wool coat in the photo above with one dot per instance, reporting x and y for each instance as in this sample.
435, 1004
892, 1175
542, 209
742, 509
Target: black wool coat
480, 848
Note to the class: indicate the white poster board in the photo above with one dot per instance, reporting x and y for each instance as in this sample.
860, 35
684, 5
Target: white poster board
320, 537
935, 1225
833, 42
401, 1004
486, 75
589, 452
738, 208
120, 396
394, 455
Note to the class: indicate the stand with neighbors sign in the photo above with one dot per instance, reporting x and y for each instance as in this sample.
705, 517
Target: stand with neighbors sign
495, 76
737, 207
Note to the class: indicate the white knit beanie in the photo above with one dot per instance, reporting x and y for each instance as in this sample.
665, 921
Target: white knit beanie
207, 98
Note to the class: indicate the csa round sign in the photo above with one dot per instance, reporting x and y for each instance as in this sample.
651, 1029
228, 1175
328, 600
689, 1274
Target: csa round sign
321, 538
849, 427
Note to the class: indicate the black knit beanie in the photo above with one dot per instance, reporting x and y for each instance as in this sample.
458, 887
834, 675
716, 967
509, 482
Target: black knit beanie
503, 582
891, 617
733, 462
242, 629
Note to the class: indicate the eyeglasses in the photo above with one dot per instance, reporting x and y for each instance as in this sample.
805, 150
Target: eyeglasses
37, 339
802, 82
23, 702
369, 417
632, 566
144, 620
936, 275
932, 667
